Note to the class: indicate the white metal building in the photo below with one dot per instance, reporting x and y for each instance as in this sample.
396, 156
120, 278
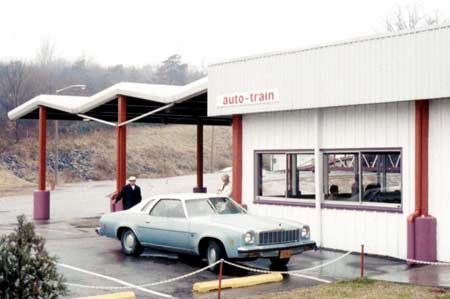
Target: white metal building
362, 128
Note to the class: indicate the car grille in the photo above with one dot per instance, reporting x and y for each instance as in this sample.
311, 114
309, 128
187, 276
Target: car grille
278, 237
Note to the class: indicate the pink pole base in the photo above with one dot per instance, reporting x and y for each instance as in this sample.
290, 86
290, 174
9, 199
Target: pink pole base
41, 205
425, 237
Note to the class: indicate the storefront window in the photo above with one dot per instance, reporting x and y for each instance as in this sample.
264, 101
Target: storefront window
381, 177
300, 177
272, 175
363, 176
342, 177
285, 175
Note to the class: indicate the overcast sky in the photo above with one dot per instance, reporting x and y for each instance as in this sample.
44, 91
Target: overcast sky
135, 32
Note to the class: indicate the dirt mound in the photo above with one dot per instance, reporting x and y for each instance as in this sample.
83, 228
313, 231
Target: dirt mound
152, 151
8, 180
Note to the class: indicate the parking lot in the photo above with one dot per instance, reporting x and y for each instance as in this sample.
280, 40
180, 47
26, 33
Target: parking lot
70, 236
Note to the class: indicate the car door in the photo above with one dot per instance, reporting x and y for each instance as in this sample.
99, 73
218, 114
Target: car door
166, 225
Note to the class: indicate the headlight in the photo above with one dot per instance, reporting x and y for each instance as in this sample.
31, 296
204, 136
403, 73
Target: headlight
249, 237
305, 232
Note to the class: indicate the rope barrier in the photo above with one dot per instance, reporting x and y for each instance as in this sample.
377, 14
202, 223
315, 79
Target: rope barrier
292, 272
427, 263
147, 284
295, 273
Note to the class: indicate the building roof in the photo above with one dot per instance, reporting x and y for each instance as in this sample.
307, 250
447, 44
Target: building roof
189, 104
361, 39
382, 68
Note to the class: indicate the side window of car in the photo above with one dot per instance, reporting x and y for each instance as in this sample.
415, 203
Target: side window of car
147, 205
168, 208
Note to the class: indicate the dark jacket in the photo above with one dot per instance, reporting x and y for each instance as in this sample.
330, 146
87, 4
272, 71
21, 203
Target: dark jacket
129, 196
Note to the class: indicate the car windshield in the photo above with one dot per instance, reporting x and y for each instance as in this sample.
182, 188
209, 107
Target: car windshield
212, 206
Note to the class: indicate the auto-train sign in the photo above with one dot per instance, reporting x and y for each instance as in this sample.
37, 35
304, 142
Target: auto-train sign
247, 98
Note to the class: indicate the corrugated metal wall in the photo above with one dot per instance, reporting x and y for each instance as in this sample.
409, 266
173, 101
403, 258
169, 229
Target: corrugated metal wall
378, 70
366, 126
439, 173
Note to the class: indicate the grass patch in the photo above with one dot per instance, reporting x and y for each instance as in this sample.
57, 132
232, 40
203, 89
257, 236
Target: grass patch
361, 288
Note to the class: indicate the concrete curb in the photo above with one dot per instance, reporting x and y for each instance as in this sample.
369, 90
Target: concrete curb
240, 282
122, 295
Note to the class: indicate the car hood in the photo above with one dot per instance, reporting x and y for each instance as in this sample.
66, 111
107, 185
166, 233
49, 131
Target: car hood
247, 222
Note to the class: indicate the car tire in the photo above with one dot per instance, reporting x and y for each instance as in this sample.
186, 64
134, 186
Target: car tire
214, 252
277, 263
130, 243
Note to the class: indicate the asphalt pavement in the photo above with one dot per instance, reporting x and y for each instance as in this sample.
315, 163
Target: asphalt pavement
70, 235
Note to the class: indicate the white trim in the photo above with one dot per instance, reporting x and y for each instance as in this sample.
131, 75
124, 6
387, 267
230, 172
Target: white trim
97, 120
146, 114
318, 175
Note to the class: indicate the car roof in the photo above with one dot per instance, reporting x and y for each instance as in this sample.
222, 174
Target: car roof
188, 196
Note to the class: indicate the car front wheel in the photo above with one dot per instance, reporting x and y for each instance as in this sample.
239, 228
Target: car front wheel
213, 254
278, 263
130, 243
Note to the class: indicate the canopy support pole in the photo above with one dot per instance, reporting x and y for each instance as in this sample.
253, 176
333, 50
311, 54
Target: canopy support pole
121, 150
200, 188
237, 158
41, 197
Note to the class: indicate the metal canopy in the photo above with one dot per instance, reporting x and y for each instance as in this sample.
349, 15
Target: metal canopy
145, 103
189, 112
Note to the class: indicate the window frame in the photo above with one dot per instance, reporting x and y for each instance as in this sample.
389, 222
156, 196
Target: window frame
282, 200
149, 205
360, 203
175, 199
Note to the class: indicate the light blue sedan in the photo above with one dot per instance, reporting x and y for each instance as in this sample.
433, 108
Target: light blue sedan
207, 225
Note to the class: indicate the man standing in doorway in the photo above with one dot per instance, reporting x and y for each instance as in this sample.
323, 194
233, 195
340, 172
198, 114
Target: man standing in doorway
130, 194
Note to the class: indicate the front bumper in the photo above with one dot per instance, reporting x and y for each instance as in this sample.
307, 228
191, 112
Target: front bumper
267, 251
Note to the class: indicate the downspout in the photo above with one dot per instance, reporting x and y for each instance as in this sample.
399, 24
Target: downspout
420, 225
418, 162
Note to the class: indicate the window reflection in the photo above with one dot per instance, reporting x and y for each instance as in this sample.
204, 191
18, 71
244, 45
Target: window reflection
342, 176
285, 175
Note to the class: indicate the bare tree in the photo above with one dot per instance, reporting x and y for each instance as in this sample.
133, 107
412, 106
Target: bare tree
411, 17
45, 60
13, 83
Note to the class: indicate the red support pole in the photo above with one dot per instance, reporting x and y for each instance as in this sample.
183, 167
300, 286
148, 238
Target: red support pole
219, 289
362, 260
237, 158
41, 197
42, 147
121, 149
200, 188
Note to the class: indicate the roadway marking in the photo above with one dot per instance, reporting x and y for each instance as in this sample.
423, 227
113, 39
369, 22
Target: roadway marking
127, 284
55, 230
310, 277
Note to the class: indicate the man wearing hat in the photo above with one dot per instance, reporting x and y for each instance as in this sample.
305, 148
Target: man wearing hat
130, 194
